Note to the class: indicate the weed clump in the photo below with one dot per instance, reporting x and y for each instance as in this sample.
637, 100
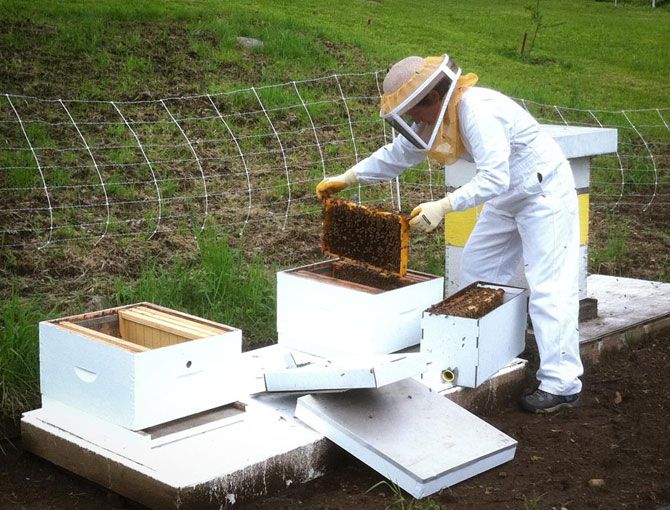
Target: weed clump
219, 285
19, 357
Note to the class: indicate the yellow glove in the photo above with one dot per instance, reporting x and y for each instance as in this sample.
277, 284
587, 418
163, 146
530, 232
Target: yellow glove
336, 183
429, 215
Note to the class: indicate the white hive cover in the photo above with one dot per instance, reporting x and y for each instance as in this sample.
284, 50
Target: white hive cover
417, 439
310, 373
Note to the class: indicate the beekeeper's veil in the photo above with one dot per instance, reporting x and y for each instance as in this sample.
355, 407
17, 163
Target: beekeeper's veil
406, 84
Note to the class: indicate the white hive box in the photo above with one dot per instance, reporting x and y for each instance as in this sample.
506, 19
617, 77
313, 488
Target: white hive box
329, 317
139, 365
475, 349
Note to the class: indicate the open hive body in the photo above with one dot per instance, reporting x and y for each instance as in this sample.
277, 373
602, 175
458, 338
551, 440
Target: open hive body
140, 365
474, 349
363, 303
323, 315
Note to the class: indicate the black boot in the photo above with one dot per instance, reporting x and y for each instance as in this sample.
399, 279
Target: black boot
542, 402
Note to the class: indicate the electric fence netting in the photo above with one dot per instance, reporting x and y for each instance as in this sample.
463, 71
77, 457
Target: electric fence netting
249, 158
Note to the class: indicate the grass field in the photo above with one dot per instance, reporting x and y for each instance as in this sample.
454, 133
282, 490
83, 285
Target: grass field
597, 56
600, 56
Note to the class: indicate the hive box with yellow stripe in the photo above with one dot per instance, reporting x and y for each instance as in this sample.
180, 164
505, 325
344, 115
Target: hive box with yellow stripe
139, 365
579, 145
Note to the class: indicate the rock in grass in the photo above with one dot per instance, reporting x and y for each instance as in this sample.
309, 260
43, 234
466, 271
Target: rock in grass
249, 43
597, 483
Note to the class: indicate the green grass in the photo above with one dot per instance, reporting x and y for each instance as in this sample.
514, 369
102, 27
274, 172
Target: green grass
219, 285
116, 188
600, 56
532, 503
615, 247
19, 356
400, 502
432, 256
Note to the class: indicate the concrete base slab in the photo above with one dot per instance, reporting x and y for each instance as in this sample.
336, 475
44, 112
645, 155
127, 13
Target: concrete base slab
248, 460
622, 304
414, 437
250, 457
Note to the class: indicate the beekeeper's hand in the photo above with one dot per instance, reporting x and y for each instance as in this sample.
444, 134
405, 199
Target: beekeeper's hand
429, 215
336, 183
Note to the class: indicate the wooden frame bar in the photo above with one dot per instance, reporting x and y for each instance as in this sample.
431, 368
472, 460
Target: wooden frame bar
141, 326
102, 337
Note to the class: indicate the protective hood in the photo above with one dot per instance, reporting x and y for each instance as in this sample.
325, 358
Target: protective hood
417, 78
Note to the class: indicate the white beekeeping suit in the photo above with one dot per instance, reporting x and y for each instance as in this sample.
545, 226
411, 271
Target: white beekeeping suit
530, 213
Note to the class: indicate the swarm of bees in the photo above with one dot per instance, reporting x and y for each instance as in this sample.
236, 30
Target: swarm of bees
357, 274
375, 239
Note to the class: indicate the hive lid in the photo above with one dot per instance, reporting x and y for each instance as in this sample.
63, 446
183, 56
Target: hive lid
365, 236
416, 438
305, 372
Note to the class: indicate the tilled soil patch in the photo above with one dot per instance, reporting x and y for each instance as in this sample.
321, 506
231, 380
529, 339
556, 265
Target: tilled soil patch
612, 453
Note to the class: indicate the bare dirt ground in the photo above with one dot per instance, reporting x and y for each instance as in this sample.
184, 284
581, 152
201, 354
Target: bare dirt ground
620, 436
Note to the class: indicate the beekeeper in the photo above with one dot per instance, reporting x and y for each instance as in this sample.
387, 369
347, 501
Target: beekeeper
525, 183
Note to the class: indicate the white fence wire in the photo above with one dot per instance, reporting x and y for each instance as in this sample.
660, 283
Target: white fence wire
74, 170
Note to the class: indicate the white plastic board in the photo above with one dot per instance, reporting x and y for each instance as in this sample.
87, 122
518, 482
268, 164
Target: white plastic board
309, 373
417, 439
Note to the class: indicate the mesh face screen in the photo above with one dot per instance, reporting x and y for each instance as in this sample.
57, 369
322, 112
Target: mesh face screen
406, 133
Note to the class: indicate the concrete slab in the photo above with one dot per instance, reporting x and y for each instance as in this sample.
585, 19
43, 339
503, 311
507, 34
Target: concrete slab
264, 451
414, 437
277, 450
622, 303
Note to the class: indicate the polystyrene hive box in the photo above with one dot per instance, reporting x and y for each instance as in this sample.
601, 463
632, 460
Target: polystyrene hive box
139, 365
475, 349
323, 315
